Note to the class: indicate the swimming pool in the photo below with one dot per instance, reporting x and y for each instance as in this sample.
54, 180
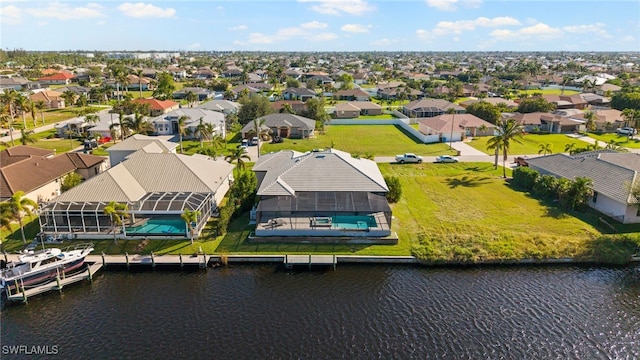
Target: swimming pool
159, 227
353, 222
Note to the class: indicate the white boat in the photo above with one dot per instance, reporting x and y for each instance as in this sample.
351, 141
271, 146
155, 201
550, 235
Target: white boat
42, 266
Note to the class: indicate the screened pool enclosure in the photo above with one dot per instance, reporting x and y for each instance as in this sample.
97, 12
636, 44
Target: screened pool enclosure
87, 219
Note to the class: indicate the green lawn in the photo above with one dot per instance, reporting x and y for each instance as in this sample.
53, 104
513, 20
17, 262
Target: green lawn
376, 117
550, 92
379, 140
620, 140
467, 212
530, 143
57, 144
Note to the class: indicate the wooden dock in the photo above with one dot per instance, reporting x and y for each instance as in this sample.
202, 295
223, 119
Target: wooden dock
200, 260
20, 294
310, 260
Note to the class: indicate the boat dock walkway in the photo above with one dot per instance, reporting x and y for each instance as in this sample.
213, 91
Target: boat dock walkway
20, 294
200, 260
310, 260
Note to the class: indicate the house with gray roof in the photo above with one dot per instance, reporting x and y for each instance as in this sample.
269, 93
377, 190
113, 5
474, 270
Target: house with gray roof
167, 124
151, 144
430, 108
320, 194
613, 175
284, 125
156, 187
223, 106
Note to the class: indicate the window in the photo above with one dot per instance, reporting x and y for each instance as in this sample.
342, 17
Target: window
595, 197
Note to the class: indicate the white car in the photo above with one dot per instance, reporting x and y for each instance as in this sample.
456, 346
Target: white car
626, 131
408, 158
446, 159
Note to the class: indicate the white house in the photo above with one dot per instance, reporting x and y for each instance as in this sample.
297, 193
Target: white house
150, 144
167, 124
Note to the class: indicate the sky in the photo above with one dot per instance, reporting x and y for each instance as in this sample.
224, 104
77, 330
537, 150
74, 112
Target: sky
322, 25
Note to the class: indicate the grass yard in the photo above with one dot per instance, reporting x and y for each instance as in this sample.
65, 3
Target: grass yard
530, 143
467, 212
42, 141
620, 140
549, 92
376, 117
379, 140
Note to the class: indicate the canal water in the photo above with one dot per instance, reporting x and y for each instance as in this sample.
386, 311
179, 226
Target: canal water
356, 312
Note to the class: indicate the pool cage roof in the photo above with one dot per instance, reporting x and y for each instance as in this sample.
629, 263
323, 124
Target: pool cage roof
346, 201
150, 202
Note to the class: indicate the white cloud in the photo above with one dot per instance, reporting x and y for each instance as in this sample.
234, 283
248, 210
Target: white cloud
597, 28
341, 7
457, 27
537, 31
238, 28
383, 42
452, 5
10, 15
355, 28
61, 11
313, 25
142, 10
323, 37
260, 38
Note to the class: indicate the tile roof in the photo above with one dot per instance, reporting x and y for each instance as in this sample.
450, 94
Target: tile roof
287, 172
283, 119
137, 141
460, 121
156, 104
611, 172
33, 172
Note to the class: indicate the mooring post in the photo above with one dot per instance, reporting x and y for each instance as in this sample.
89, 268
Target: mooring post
181, 263
104, 264
126, 258
58, 279
5, 257
334, 262
90, 274
309, 261
153, 260
24, 293
204, 261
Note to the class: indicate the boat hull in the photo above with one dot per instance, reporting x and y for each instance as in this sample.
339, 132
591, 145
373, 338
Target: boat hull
43, 277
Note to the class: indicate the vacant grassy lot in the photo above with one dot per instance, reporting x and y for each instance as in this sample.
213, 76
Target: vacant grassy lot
467, 212
378, 140
620, 140
530, 143
57, 144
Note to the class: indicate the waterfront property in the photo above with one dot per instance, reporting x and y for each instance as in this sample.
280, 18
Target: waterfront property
157, 188
613, 175
320, 194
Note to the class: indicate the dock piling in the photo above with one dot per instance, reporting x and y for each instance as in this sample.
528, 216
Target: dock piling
58, 280
5, 257
24, 293
104, 264
181, 262
334, 262
90, 274
309, 261
126, 257
153, 261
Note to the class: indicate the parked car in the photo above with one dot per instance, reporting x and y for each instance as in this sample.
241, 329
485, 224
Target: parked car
254, 141
626, 131
521, 161
244, 144
446, 159
408, 158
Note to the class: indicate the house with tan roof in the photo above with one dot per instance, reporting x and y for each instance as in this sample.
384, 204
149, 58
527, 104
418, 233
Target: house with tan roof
52, 99
320, 195
353, 95
284, 125
157, 188
430, 108
613, 174
455, 127
151, 144
574, 101
353, 109
39, 172
606, 120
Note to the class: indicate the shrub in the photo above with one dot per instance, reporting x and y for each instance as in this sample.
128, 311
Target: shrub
395, 188
524, 177
546, 186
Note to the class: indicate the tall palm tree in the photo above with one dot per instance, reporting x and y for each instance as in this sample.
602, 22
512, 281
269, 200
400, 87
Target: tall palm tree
6, 218
211, 152
6, 118
117, 73
21, 206
190, 217
203, 132
218, 142
8, 98
92, 118
138, 73
452, 112
139, 124
590, 123
41, 105
24, 104
570, 148
27, 137
191, 98
259, 131
116, 212
507, 130
69, 97
545, 149
182, 120
237, 155
32, 109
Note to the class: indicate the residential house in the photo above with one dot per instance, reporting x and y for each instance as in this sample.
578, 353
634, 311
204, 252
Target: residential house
455, 127
224, 106
61, 78
353, 95
158, 107
245, 88
430, 108
566, 101
595, 100
76, 89
361, 77
74, 127
120, 151
39, 172
107, 126
297, 106
607, 89
17, 83
613, 175
605, 120
202, 94
293, 73
302, 94
156, 186
320, 194
353, 109
492, 100
284, 125
168, 124
530, 122
52, 99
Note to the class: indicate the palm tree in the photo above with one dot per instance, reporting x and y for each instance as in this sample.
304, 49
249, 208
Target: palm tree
452, 112
138, 73
237, 155
580, 191
116, 212
190, 217
545, 148
32, 108
8, 99
590, 123
191, 98
570, 148
19, 207
508, 130
210, 152
203, 131
69, 97
26, 137
182, 129
257, 127
24, 104
139, 124
41, 105
92, 118
218, 142
6, 218
118, 72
